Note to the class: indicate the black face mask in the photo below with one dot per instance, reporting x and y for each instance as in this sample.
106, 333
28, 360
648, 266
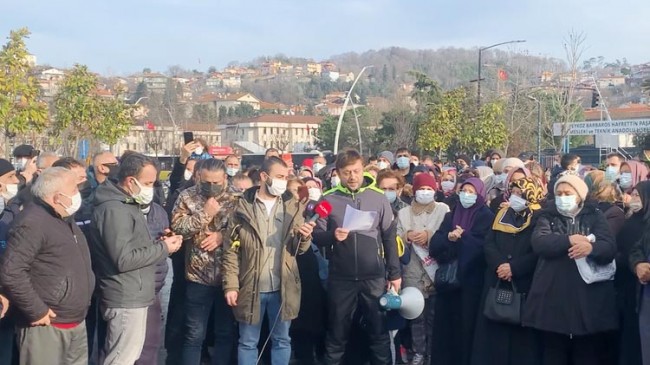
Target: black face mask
85, 189
211, 190
113, 169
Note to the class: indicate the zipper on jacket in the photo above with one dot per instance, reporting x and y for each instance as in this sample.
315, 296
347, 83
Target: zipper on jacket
356, 251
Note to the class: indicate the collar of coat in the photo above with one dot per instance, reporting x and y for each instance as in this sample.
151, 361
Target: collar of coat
369, 183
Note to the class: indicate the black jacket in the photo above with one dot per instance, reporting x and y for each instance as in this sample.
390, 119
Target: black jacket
47, 265
512, 248
124, 252
559, 300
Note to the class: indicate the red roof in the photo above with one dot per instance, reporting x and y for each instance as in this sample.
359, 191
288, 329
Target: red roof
631, 111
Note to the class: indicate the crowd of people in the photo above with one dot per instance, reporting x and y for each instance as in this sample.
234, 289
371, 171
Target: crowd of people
517, 263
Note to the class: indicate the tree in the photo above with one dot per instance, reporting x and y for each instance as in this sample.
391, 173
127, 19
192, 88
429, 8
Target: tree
425, 91
223, 112
348, 138
443, 125
140, 92
398, 128
212, 69
20, 109
146, 70
81, 113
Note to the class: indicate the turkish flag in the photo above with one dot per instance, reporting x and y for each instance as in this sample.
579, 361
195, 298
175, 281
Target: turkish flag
503, 75
150, 126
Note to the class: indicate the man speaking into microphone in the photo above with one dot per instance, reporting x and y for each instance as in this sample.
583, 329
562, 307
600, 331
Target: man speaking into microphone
260, 273
363, 263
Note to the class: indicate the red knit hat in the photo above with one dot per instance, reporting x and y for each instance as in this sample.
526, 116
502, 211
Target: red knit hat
424, 179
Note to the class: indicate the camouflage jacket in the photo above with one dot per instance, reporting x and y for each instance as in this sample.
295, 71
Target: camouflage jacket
189, 220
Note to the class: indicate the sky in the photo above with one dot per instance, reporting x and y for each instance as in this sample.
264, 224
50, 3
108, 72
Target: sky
117, 37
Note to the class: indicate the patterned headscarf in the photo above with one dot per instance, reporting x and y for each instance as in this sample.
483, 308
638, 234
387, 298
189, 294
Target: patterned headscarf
532, 191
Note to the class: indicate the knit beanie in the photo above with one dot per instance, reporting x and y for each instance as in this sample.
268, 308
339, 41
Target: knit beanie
424, 179
5, 167
576, 182
387, 155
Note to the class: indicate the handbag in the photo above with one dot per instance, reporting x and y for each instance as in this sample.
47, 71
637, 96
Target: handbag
503, 304
446, 277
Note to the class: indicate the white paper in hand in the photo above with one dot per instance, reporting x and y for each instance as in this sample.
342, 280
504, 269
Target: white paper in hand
357, 220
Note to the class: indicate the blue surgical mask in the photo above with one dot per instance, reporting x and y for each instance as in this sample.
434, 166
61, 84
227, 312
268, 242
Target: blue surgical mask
403, 163
500, 179
625, 181
517, 203
467, 200
566, 204
391, 196
611, 173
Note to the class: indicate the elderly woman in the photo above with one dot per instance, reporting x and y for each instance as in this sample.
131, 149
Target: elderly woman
513, 174
640, 263
460, 241
510, 259
573, 316
416, 225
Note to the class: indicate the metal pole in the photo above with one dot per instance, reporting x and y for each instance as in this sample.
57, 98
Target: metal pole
356, 119
478, 81
345, 105
539, 131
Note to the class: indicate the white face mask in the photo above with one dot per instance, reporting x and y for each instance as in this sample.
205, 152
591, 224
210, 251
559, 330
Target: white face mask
277, 187
315, 194
198, 151
21, 163
447, 186
611, 173
566, 204
187, 175
416, 163
74, 206
145, 196
317, 167
636, 206
12, 191
335, 181
232, 171
517, 203
425, 196
382, 165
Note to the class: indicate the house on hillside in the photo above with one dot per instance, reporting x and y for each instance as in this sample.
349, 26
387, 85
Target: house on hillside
283, 132
216, 101
155, 82
611, 81
49, 80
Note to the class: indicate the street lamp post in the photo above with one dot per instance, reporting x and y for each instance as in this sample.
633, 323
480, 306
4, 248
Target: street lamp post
480, 51
345, 106
539, 127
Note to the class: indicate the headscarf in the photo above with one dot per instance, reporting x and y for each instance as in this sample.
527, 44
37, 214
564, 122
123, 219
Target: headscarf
639, 172
644, 193
486, 175
512, 162
507, 220
464, 217
525, 171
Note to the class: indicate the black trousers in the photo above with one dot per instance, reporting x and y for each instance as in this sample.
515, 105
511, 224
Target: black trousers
561, 349
344, 297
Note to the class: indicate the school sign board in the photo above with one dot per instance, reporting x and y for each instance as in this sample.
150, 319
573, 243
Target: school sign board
628, 126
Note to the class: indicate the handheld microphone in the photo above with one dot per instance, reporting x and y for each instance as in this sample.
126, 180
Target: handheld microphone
321, 210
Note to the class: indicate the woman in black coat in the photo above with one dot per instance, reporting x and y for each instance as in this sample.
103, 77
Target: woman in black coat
639, 263
461, 237
510, 259
571, 314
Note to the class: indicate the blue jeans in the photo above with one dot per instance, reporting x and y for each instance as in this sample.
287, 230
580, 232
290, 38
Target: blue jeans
199, 301
249, 334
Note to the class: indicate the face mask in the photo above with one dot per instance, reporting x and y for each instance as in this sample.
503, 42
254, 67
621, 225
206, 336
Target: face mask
403, 163
2, 204
517, 203
636, 206
625, 181
500, 179
382, 165
611, 173
467, 200
391, 195
447, 186
314, 194
187, 175
74, 206
566, 204
317, 167
424, 196
416, 163
210, 190
20, 164
145, 196
198, 151
12, 191
112, 171
335, 181
232, 171
85, 189
277, 187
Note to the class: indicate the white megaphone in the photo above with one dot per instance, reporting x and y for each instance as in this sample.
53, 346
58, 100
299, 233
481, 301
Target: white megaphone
409, 304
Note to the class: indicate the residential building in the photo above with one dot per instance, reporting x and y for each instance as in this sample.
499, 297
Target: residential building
216, 101
611, 81
327, 66
232, 82
49, 80
314, 68
155, 82
157, 140
331, 75
283, 132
